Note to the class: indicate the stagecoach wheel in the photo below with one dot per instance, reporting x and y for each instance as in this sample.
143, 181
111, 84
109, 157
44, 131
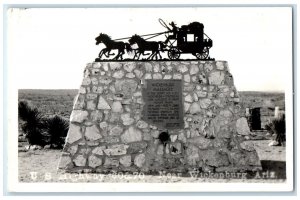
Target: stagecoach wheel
173, 53
204, 54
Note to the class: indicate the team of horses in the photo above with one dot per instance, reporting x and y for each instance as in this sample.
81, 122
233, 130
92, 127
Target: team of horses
143, 46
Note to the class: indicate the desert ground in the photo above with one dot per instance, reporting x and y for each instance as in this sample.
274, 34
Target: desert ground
41, 165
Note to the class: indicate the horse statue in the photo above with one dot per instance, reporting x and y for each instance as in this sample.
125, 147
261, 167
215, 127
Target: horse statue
110, 45
144, 45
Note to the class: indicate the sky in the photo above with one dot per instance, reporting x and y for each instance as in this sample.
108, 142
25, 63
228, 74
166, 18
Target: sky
48, 48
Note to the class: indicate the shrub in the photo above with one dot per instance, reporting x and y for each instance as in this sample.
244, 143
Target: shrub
57, 129
277, 127
34, 124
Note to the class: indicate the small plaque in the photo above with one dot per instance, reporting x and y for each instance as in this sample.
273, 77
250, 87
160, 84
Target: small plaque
163, 103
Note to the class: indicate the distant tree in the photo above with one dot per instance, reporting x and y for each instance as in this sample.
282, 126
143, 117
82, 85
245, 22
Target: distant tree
34, 125
57, 129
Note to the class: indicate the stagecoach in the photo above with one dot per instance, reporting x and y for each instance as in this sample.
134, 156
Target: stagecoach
188, 39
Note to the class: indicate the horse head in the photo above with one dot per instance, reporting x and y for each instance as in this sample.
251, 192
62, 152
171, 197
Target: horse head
102, 38
134, 39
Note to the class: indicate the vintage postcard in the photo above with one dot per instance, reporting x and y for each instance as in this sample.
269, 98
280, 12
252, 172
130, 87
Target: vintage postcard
150, 99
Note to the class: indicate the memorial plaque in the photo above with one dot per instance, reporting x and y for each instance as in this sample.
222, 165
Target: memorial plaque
163, 103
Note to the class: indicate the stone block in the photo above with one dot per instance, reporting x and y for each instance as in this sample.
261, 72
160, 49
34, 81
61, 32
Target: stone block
79, 116
242, 126
167, 76
126, 87
99, 150
194, 69
141, 124
126, 119
86, 81
186, 106
130, 75
117, 107
148, 76
125, 161
208, 67
182, 68
188, 98
80, 160
111, 162
138, 73
116, 150
105, 80
157, 76
220, 65
96, 116
132, 134
204, 103
137, 147
111, 139
195, 108
192, 155
200, 142
79, 102
116, 130
129, 67
92, 133
102, 104
91, 105
74, 134
97, 89
148, 67
94, 161
64, 162
177, 76
119, 74
73, 149
139, 160
248, 146
216, 78
215, 158
115, 66
160, 149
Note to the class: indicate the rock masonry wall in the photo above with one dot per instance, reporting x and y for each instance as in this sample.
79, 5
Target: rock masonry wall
107, 131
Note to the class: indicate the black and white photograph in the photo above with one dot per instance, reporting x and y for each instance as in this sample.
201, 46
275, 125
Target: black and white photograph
150, 99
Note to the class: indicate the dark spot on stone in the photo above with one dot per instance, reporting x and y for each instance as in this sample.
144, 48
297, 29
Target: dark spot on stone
174, 150
119, 95
164, 137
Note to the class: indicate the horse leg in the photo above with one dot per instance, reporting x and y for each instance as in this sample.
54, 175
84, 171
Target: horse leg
151, 56
158, 53
121, 55
108, 53
139, 56
101, 53
117, 56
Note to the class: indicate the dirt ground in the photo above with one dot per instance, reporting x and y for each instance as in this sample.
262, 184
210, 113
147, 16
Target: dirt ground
41, 166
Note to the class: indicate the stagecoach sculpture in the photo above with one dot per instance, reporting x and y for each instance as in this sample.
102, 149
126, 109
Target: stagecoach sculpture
188, 39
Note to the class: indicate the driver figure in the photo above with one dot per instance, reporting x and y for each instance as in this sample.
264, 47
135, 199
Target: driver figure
174, 31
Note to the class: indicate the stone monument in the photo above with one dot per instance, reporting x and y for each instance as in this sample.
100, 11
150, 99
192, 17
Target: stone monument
150, 116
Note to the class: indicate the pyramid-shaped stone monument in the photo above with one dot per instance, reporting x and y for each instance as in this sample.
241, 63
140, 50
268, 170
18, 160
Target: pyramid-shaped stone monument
150, 116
